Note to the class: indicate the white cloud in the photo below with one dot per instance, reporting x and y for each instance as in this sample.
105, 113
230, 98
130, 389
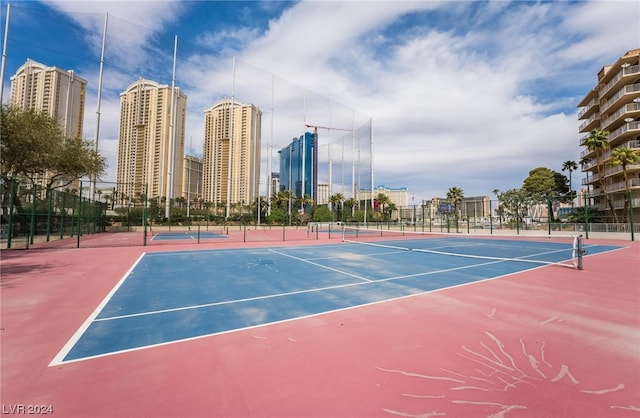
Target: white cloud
474, 103
606, 30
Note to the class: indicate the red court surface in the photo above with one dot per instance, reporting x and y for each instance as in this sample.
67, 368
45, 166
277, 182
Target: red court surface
551, 342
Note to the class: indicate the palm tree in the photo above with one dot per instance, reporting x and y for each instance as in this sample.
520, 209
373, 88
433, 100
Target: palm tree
304, 201
336, 199
455, 195
281, 199
597, 142
261, 206
353, 204
499, 209
625, 156
391, 208
382, 200
570, 166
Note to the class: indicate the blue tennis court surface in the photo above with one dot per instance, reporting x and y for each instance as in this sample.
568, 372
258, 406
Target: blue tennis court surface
174, 296
186, 235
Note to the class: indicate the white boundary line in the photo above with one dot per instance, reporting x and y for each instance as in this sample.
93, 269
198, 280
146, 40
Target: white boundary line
58, 359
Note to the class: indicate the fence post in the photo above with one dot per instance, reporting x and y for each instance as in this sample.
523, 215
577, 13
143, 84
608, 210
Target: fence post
79, 216
12, 189
549, 214
49, 215
32, 228
144, 216
586, 217
490, 218
63, 213
517, 218
631, 215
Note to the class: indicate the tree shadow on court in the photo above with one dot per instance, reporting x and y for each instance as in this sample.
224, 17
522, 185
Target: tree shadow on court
13, 274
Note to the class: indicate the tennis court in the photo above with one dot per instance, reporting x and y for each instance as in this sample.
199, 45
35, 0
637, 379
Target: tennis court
175, 296
399, 326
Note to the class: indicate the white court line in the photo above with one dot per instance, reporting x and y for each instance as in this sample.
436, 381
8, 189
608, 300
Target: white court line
320, 265
206, 305
58, 359
297, 292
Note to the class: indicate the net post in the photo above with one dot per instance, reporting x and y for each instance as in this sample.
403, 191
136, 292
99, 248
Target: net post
579, 251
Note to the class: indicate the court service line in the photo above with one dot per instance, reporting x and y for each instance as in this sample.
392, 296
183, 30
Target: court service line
229, 302
320, 265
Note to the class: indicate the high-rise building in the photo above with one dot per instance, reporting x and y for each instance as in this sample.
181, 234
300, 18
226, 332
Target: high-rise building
323, 194
192, 178
613, 106
399, 196
231, 154
275, 182
150, 141
298, 167
59, 93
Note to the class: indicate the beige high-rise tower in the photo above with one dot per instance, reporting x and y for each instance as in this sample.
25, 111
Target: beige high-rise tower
231, 168
613, 106
59, 93
150, 142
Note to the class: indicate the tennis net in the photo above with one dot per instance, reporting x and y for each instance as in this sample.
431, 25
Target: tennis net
565, 250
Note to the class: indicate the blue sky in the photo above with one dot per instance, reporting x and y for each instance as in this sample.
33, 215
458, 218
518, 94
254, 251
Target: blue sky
460, 93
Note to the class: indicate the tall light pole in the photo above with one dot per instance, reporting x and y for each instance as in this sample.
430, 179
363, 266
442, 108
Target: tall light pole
289, 197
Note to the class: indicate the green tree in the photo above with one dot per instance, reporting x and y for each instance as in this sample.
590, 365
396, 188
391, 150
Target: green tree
499, 210
304, 201
544, 184
382, 200
570, 166
261, 205
277, 216
625, 156
33, 145
597, 142
390, 209
281, 199
353, 204
322, 214
336, 201
515, 204
455, 196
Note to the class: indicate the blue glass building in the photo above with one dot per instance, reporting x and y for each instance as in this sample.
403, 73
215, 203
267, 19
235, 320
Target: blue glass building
299, 166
